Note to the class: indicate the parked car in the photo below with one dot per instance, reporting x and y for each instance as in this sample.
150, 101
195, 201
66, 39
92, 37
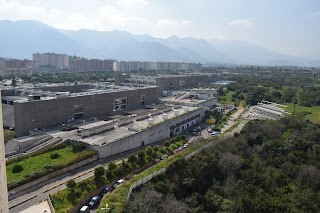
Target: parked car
181, 148
94, 201
104, 191
84, 209
210, 130
118, 183
185, 145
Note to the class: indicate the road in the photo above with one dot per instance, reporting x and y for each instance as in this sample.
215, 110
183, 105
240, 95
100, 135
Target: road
35, 194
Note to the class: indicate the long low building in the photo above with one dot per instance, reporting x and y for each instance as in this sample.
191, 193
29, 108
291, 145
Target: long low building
35, 108
158, 124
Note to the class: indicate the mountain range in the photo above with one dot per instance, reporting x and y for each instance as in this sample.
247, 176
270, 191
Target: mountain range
20, 39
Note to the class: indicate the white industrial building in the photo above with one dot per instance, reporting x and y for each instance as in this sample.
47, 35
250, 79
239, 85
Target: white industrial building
142, 127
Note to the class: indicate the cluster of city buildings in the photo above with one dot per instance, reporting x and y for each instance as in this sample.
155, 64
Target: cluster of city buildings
11, 66
75, 63
108, 118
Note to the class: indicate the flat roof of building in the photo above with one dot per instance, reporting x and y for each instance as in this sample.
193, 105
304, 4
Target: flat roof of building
95, 124
57, 95
128, 130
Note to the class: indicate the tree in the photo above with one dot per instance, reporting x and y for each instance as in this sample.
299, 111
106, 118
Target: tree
71, 184
112, 166
156, 148
99, 172
141, 155
149, 151
132, 158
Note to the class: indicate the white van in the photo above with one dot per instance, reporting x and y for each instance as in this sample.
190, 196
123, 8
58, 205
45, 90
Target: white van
84, 209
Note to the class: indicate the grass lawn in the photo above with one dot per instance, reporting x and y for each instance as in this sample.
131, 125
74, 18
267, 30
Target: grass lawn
37, 163
8, 135
311, 113
226, 99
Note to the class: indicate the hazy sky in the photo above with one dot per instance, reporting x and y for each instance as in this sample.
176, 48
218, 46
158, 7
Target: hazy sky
287, 26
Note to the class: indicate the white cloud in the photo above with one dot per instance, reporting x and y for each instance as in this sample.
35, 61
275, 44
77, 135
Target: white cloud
247, 23
133, 3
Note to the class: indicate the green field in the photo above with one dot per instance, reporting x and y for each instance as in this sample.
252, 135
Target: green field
226, 99
40, 165
8, 135
311, 113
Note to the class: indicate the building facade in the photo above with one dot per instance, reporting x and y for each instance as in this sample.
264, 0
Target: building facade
59, 61
128, 66
35, 108
84, 64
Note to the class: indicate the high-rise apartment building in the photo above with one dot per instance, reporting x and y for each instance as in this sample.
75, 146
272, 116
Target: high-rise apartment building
84, 64
4, 207
59, 61
128, 66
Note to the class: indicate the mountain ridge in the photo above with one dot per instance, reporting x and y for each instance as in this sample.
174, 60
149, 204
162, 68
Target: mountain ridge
123, 45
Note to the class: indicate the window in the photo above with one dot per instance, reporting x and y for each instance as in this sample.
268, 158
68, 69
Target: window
119, 104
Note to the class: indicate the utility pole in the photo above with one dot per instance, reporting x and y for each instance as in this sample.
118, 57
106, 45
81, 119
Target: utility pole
4, 206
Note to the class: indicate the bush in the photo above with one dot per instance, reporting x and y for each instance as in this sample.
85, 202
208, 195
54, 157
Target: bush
17, 168
167, 143
54, 155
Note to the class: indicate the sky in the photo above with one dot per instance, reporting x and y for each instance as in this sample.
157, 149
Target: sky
287, 26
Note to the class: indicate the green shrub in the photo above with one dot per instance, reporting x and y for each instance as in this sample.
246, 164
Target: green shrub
54, 155
17, 168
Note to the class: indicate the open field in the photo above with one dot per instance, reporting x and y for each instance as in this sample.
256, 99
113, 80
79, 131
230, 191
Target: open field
226, 99
42, 164
311, 113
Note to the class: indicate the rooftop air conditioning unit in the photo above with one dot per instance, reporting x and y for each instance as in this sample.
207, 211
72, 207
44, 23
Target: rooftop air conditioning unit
165, 116
150, 121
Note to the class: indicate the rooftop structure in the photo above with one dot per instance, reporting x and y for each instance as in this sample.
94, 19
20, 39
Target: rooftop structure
146, 126
269, 110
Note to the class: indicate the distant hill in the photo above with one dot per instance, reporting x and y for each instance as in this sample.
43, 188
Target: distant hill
22, 38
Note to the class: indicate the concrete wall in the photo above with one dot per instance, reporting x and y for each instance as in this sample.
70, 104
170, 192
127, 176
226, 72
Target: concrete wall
150, 135
54, 174
43, 113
